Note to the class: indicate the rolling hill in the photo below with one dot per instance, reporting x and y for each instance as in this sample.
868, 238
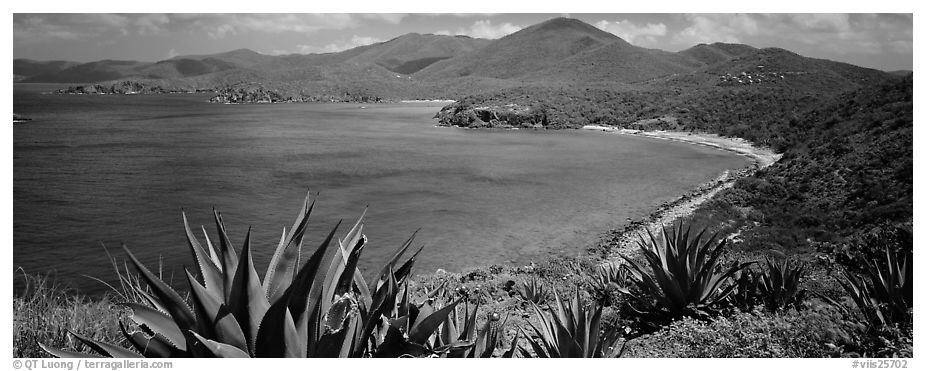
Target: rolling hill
715, 53
560, 54
26, 68
529, 50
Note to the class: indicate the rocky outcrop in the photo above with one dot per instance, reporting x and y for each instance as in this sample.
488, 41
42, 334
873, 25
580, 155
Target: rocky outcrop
124, 87
492, 116
246, 95
242, 95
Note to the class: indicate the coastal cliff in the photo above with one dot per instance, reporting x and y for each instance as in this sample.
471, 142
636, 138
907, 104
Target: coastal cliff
510, 115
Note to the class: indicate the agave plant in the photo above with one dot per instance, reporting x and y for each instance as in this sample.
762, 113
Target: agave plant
315, 306
569, 332
778, 285
746, 294
885, 296
607, 278
533, 291
687, 276
460, 335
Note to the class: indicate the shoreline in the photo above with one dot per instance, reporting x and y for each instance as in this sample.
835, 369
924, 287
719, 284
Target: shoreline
623, 241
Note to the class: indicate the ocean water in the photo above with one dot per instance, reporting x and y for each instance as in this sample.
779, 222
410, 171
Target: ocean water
108, 170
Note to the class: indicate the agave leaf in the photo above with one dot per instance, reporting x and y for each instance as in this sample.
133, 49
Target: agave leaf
283, 266
247, 300
175, 306
406, 269
221, 350
65, 353
150, 347
217, 320
383, 301
269, 343
469, 328
448, 332
136, 287
330, 269
216, 260
295, 346
539, 350
346, 282
211, 275
106, 349
159, 323
302, 295
566, 344
548, 333
339, 261
390, 264
514, 345
229, 258
339, 327
423, 328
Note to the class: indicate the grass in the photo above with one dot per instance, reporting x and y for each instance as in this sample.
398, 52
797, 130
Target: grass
46, 310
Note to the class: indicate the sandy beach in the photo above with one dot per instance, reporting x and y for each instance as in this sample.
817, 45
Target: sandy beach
623, 241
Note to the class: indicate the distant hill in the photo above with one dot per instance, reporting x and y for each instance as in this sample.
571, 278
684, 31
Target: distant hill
26, 68
769, 67
239, 58
529, 50
559, 55
92, 72
412, 52
617, 62
710, 54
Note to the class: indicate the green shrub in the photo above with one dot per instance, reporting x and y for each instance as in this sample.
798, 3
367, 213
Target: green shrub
819, 331
45, 311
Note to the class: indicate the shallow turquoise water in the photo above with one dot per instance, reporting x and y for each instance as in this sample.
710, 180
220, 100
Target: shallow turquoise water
118, 169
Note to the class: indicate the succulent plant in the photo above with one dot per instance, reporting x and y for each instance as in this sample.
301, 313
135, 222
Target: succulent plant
607, 279
687, 276
778, 285
569, 332
884, 294
464, 340
533, 291
314, 306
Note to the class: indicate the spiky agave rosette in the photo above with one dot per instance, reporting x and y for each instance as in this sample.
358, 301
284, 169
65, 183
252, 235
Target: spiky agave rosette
321, 307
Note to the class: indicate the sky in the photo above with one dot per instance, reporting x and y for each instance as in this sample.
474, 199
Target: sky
882, 41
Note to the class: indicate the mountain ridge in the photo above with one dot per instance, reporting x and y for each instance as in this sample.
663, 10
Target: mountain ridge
557, 53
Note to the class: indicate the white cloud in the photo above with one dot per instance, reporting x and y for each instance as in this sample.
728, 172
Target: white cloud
393, 18
221, 31
803, 33
632, 33
151, 23
43, 27
459, 15
486, 30
901, 46
708, 28
270, 23
336, 47
822, 22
